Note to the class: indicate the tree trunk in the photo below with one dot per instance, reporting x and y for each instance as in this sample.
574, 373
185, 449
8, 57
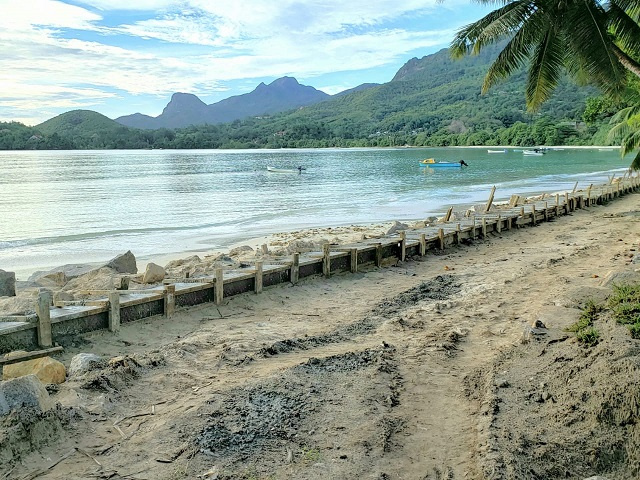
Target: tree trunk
626, 61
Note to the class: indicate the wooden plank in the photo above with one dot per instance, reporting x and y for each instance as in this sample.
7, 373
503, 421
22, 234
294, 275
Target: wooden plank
326, 260
44, 319
487, 207
447, 216
259, 278
441, 238
219, 296
114, 311
353, 264
21, 357
295, 268
378, 255
169, 300
403, 245
484, 227
423, 244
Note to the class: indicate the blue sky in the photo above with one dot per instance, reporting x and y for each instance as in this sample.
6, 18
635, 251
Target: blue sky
124, 56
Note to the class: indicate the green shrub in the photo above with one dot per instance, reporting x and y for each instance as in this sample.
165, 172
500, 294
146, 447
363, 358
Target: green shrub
635, 330
588, 336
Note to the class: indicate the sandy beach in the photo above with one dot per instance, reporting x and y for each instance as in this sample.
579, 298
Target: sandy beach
453, 366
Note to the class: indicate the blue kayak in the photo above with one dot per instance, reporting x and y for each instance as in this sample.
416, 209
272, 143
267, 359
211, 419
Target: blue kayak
442, 165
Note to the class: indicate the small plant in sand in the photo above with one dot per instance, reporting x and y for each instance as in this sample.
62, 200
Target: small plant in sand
310, 455
583, 328
625, 305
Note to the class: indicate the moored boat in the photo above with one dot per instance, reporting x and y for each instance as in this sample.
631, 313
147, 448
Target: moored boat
285, 170
497, 151
533, 152
443, 164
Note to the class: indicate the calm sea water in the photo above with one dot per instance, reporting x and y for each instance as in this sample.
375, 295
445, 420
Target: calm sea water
88, 206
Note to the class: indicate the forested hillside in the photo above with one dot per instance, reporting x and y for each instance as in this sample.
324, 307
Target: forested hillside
431, 101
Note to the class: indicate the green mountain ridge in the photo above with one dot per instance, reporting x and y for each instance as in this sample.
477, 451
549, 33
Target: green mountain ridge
434, 100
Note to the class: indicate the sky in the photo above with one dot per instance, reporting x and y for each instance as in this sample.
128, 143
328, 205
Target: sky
119, 57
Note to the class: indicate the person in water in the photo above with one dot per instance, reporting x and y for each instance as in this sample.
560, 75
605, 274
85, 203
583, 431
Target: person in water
300, 169
463, 163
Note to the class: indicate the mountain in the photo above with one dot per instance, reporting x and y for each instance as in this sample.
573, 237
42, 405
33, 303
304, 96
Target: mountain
79, 122
359, 88
186, 109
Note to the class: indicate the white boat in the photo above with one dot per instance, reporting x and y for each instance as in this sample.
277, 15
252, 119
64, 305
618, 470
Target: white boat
284, 170
497, 151
532, 152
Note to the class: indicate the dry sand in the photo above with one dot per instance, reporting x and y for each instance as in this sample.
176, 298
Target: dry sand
414, 371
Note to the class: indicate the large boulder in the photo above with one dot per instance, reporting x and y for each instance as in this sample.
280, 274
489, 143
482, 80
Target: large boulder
46, 369
7, 284
397, 227
22, 392
63, 273
153, 273
621, 277
85, 362
125, 263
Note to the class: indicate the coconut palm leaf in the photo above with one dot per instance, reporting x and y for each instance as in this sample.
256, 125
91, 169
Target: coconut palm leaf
490, 29
591, 45
546, 69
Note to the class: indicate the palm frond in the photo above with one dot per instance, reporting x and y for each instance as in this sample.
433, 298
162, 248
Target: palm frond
546, 69
591, 46
631, 142
630, 7
635, 164
490, 28
515, 53
625, 29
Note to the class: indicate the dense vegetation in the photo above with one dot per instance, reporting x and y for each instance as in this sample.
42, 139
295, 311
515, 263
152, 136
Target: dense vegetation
433, 101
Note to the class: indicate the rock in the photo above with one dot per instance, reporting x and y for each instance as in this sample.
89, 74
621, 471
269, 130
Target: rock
7, 284
85, 362
620, 278
596, 477
153, 274
239, 251
125, 263
396, 227
61, 296
22, 392
46, 369
70, 271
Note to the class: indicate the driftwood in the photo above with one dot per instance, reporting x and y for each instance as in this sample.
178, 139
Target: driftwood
29, 355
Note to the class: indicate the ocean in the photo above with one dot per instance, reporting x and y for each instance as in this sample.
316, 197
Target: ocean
61, 207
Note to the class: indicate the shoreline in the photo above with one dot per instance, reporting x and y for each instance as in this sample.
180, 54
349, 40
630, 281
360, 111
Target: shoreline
333, 233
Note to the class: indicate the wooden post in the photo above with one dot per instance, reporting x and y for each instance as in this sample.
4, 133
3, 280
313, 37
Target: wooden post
114, 311
354, 260
546, 208
326, 260
219, 286
589, 195
169, 300
441, 238
403, 245
457, 235
574, 188
378, 255
499, 224
295, 268
533, 214
484, 228
487, 207
473, 227
258, 279
509, 221
44, 319
447, 217
423, 244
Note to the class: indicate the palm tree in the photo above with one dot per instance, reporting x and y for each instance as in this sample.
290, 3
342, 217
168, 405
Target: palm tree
589, 40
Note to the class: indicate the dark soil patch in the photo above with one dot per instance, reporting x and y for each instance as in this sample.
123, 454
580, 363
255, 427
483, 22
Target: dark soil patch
439, 288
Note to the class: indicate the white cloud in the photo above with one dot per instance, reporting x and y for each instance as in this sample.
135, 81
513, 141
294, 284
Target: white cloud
18, 14
48, 61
